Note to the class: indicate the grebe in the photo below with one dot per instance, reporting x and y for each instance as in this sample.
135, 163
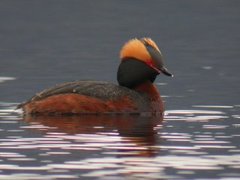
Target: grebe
141, 62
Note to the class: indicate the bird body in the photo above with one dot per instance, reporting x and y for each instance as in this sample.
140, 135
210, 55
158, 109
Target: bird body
135, 94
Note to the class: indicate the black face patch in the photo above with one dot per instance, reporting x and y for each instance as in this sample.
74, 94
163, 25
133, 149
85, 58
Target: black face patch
132, 72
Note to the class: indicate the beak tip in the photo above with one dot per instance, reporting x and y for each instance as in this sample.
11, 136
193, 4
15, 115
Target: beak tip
166, 72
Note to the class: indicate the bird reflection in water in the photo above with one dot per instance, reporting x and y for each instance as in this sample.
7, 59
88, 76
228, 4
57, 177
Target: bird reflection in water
137, 134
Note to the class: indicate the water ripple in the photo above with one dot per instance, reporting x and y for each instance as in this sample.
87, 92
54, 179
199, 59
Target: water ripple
192, 143
4, 79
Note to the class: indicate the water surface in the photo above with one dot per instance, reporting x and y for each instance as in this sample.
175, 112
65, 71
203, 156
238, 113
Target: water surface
192, 143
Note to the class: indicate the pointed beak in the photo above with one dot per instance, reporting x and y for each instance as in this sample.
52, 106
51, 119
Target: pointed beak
166, 72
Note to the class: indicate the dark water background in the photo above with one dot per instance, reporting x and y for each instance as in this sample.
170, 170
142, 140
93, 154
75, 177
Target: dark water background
43, 43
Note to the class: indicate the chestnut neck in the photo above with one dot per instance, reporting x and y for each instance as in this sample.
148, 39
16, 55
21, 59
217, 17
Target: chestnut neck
149, 89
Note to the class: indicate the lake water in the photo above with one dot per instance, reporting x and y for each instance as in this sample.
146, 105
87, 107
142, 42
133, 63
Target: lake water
43, 43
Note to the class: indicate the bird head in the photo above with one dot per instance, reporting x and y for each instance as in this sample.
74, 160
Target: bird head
141, 60
146, 51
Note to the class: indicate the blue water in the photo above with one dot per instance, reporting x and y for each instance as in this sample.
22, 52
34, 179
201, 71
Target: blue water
43, 43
